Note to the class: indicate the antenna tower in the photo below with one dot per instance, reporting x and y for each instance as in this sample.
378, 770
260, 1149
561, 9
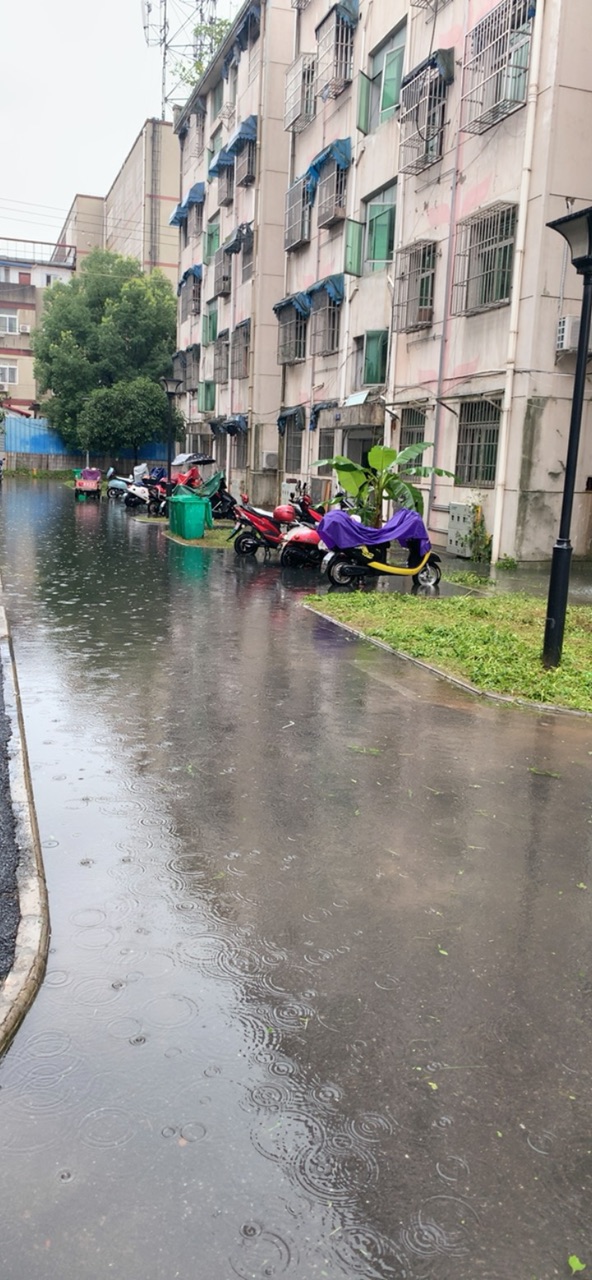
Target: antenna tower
184, 31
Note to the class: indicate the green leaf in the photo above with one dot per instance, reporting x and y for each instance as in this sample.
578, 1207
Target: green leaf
380, 457
413, 451
575, 1264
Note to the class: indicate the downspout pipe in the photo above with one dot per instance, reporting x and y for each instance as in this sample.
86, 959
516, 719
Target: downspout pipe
518, 272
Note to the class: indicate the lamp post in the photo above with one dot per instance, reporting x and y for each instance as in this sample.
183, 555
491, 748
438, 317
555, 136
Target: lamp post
576, 228
171, 387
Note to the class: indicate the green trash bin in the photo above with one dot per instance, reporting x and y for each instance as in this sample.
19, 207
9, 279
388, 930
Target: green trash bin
187, 515
77, 472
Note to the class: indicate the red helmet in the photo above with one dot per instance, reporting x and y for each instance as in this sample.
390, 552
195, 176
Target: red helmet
285, 514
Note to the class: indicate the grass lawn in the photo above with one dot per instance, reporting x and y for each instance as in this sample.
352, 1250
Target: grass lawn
494, 643
216, 537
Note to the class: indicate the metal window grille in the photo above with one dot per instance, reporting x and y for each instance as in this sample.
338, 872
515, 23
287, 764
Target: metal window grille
239, 351
414, 287
335, 51
185, 299
325, 325
297, 227
198, 443
180, 370
332, 195
326, 450
300, 93
412, 427
245, 164
195, 220
496, 61
292, 449
291, 336
221, 357
196, 297
226, 185
222, 274
192, 368
478, 434
423, 108
241, 450
483, 260
247, 258
433, 5
300, 4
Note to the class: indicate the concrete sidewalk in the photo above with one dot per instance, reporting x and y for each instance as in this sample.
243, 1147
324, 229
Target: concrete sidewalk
24, 916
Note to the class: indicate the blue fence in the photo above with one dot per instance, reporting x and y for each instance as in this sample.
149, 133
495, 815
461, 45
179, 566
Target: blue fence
35, 436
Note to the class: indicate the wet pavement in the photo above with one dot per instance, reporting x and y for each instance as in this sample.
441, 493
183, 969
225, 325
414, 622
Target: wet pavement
319, 994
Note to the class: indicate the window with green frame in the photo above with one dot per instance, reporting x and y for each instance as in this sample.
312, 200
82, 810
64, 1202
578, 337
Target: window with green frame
206, 397
375, 355
381, 211
211, 239
378, 92
210, 324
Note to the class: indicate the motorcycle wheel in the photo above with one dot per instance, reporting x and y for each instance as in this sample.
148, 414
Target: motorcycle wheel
429, 576
341, 573
154, 507
292, 558
246, 544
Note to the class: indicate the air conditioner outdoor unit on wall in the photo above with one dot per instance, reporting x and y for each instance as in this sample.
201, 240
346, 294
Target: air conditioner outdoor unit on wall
24, 328
269, 461
568, 332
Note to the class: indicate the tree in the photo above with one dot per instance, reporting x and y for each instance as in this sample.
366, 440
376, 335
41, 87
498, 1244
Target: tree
208, 38
104, 340
387, 477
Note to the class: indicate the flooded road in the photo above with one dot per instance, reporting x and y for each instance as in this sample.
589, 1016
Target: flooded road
319, 995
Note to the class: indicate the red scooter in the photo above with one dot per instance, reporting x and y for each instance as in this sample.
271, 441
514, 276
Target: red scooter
256, 527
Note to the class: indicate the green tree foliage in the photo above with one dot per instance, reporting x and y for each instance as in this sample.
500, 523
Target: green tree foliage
389, 476
208, 38
104, 340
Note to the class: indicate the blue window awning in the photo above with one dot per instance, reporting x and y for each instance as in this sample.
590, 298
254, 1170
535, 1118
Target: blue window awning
299, 301
196, 271
442, 61
221, 160
246, 132
340, 151
236, 425
294, 417
347, 10
196, 195
249, 29
333, 286
317, 408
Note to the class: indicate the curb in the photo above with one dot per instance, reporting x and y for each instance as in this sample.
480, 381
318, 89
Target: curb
32, 940
505, 698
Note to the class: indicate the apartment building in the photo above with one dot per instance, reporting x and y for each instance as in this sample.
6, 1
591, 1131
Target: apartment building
230, 220
27, 269
133, 217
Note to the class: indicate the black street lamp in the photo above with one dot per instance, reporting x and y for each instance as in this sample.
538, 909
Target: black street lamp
171, 387
576, 228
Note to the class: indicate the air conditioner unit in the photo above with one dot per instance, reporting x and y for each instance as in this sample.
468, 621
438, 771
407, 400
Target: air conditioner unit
568, 332
24, 328
269, 461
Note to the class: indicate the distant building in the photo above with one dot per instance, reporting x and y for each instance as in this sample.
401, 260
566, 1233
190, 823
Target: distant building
27, 269
133, 218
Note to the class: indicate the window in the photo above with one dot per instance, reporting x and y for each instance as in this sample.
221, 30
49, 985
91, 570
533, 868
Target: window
335, 51
497, 56
206, 397
325, 324
300, 93
478, 433
217, 99
423, 107
195, 296
332, 195
353, 258
247, 257
292, 449
8, 321
184, 300
210, 324
380, 229
192, 368
24, 277
484, 260
221, 357
375, 355
232, 84
297, 226
211, 239
226, 185
241, 450
291, 336
378, 92
195, 220
412, 427
48, 280
326, 450
414, 287
222, 274
239, 356
8, 375
245, 164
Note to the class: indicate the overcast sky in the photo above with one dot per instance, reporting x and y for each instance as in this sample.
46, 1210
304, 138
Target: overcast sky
77, 83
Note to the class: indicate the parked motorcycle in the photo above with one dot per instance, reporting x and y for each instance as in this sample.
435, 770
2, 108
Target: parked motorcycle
356, 551
256, 527
117, 486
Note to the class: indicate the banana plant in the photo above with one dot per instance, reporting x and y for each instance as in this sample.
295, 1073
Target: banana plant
388, 477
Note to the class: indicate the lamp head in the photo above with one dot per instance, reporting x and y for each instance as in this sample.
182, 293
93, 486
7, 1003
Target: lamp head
576, 229
170, 385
